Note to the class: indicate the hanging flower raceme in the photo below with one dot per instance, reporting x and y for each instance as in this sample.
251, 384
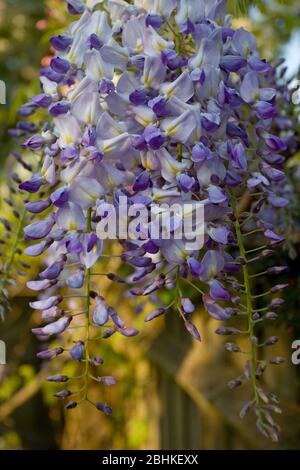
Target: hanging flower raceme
157, 102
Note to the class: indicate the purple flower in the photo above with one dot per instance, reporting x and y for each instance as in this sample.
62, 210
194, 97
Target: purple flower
39, 229
60, 65
77, 351
61, 42
33, 185
154, 20
275, 143
45, 304
185, 182
216, 195
37, 207
35, 142
154, 137
95, 42
265, 110
76, 280
55, 328
233, 63
39, 285
238, 157
104, 408
187, 306
142, 182
42, 100
59, 108
138, 96
215, 310
54, 270
217, 291
101, 313
50, 353
192, 330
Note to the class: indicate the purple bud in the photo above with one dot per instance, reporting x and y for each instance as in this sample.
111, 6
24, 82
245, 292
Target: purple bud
62, 394
215, 310
155, 314
217, 291
129, 332
216, 195
61, 107
50, 353
265, 110
158, 105
104, 408
55, 328
40, 229
45, 304
227, 331
101, 314
138, 97
76, 280
70, 405
34, 143
153, 137
275, 143
142, 182
191, 328
195, 267
97, 360
277, 360
187, 306
95, 42
185, 182
277, 269
61, 42
60, 65
42, 100
232, 63
33, 185
271, 316
106, 86
58, 378
77, 351
153, 20
59, 197
39, 285
107, 380
200, 153
279, 287
38, 249
37, 207
54, 270
272, 340
232, 347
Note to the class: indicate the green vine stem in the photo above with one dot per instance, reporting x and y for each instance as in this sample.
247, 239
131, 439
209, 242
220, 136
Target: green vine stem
249, 305
87, 314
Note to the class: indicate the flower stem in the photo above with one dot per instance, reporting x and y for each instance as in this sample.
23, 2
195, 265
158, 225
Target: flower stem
249, 306
87, 313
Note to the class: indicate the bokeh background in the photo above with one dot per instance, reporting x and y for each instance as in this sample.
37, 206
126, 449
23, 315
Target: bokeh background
171, 393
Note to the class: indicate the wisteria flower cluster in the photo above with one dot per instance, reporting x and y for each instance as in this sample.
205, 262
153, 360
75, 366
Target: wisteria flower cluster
160, 101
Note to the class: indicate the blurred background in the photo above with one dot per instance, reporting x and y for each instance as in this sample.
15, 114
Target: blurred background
171, 393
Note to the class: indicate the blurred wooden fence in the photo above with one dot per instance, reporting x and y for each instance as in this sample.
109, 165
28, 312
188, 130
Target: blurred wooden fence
198, 411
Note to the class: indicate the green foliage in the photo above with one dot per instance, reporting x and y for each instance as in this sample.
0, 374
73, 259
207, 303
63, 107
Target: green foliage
241, 7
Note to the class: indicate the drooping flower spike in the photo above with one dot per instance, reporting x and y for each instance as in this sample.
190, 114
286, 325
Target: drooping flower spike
157, 102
